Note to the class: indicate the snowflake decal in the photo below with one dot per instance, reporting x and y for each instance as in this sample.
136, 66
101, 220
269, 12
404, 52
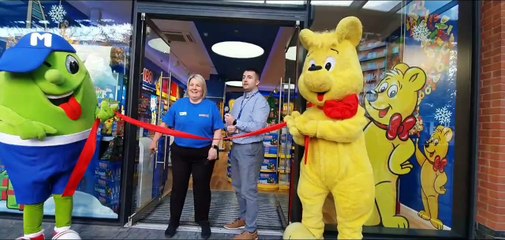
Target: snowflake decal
420, 32
443, 115
57, 13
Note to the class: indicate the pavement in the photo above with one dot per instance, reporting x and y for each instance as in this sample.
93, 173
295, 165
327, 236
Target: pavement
13, 228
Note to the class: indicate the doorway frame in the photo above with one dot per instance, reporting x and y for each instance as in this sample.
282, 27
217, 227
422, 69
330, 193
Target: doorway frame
190, 10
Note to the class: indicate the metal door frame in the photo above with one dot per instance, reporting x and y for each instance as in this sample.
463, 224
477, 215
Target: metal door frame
190, 10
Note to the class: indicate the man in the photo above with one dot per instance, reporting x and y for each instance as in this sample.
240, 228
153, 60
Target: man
249, 113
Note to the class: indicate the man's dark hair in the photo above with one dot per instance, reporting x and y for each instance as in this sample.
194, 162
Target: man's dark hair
253, 70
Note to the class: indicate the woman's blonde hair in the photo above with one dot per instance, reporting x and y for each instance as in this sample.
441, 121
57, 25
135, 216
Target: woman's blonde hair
201, 80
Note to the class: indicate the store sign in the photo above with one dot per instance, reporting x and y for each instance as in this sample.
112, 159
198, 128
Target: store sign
174, 89
147, 76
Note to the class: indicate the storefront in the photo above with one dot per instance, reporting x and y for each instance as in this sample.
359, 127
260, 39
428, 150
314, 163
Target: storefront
417, 58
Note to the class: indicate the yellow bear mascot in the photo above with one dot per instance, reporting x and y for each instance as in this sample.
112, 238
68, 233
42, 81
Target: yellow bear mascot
335, 159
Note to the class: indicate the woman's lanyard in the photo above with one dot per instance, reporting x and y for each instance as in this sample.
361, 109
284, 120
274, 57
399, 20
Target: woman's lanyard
244, 103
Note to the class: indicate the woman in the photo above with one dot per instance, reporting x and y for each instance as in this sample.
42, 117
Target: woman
195, 115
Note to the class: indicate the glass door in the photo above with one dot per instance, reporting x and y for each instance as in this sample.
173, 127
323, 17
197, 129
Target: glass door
151, 167
291, 101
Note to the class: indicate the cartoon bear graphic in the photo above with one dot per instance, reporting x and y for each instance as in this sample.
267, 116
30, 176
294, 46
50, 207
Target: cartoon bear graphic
390, 107
433, 177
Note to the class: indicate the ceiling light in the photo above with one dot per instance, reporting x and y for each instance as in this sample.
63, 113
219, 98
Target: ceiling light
331, 3
300, 2
291, 53
159, 44
383, 6
234, 83
236, 49
247, 1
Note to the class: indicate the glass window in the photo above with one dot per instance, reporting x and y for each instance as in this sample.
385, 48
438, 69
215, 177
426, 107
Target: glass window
408, 55
100, 32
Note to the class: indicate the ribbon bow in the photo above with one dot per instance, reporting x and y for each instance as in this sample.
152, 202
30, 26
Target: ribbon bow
440, 164
399, 127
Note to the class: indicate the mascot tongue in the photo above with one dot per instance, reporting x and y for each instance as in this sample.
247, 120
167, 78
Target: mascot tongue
72, 108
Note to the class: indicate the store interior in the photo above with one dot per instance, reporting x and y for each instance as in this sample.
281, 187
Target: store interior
190, 51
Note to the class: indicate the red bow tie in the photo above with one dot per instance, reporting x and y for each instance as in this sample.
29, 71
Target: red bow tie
440, 164
400, 128
340, 110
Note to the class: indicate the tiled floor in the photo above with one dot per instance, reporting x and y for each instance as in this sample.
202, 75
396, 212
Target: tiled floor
224, 209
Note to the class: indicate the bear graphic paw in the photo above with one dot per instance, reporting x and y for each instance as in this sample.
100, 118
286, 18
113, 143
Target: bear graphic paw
396, 222
437, 224
424, 215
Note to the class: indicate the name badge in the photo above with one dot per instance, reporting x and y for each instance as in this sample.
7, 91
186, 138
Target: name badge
183, 113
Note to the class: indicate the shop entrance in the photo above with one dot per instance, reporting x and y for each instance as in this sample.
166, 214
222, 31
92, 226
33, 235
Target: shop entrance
171, 48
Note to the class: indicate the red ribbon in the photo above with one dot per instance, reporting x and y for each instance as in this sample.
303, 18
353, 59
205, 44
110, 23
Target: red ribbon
180, 134
84, 159
271, 128
90, 146
159, 129
400, 128
440, 164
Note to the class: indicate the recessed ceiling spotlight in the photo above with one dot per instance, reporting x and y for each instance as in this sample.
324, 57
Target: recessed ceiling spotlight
339, 3
234, 83
159, 45
291, 53
237, 49
383, 6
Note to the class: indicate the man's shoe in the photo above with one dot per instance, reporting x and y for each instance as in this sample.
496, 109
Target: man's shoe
171, 230
205, 230
247, 236
237, 224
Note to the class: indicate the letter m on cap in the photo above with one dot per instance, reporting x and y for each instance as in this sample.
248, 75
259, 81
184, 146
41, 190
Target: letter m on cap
46, 37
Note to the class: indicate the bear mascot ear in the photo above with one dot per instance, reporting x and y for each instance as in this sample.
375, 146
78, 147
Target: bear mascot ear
350, 29
307, 38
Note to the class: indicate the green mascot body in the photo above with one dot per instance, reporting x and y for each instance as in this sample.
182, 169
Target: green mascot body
47, 108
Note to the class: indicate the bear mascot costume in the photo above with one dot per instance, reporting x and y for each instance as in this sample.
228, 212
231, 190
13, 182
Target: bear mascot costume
48, 109
331, 129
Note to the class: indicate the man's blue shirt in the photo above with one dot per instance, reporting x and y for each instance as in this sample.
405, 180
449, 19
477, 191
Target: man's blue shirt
251, 111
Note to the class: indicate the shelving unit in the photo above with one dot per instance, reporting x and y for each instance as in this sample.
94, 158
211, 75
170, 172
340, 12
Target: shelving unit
372, 56
276, 168
376, 57
269, 177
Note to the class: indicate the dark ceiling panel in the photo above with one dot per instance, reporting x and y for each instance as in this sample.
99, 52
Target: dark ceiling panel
213, 32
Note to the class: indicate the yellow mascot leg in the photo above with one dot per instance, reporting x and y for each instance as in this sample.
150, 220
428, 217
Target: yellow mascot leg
354, 202
375, 218
297, 231
312, 195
